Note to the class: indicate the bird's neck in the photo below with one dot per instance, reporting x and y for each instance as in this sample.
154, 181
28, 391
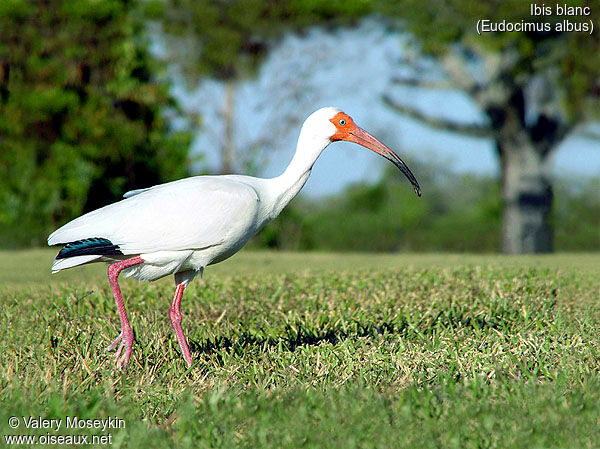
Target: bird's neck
288, 184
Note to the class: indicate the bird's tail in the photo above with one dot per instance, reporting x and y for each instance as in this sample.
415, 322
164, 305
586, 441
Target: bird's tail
63, 264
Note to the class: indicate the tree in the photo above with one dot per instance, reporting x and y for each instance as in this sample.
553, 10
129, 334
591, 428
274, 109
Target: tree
227, 41
535, 88
82, 118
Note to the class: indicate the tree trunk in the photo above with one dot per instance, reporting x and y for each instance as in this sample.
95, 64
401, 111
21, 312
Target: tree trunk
527, 194
228, 148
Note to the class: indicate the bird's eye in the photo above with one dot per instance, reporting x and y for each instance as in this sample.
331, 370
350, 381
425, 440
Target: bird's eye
342, 122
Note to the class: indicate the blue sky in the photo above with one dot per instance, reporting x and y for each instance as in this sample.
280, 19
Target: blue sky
351, 69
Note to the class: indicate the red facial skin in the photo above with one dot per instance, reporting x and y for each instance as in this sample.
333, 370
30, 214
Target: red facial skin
343, 131
348, 131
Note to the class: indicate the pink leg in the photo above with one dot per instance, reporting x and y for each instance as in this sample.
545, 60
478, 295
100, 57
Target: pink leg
175, 315
126, 335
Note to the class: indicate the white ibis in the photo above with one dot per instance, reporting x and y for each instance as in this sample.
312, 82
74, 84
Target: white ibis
182, 226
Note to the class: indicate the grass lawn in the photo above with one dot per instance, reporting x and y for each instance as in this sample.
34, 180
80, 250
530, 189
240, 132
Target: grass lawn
314, 351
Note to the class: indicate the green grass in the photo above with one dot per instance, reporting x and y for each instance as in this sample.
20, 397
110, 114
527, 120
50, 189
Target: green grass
315, 350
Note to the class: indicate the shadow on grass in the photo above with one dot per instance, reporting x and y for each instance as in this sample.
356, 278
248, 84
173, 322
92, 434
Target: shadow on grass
298, 336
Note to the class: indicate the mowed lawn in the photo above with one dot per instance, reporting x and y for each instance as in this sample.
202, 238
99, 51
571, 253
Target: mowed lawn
314, 351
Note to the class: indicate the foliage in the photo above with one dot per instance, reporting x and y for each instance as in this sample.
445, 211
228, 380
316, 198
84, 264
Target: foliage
228, 39
534, 88
571, 59
457, 212
82, 118
460, 214
576, 214
373, 351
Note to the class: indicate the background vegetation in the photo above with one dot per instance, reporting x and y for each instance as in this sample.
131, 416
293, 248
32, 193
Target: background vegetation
86, 113
82, 114
457, 213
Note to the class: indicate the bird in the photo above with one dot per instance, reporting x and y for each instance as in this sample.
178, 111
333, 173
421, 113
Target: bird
180, 227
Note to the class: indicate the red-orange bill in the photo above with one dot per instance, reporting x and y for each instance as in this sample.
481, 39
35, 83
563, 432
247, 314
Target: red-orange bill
362, 137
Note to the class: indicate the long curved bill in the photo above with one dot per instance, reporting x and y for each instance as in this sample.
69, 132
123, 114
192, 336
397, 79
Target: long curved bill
362, 137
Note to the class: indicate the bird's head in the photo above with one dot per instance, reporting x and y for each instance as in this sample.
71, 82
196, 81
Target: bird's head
332, 125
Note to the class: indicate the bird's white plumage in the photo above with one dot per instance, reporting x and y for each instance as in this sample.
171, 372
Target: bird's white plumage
192, 213
182, 226
171, 221
135, 192
70, 262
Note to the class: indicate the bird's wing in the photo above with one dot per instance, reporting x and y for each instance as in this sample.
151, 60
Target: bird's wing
191, 213
135, 192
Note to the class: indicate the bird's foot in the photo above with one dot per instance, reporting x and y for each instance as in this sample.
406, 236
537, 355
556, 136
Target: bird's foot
121, 361
122, 357
113, 345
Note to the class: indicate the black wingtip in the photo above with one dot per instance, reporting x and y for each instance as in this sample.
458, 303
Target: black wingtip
96, 246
